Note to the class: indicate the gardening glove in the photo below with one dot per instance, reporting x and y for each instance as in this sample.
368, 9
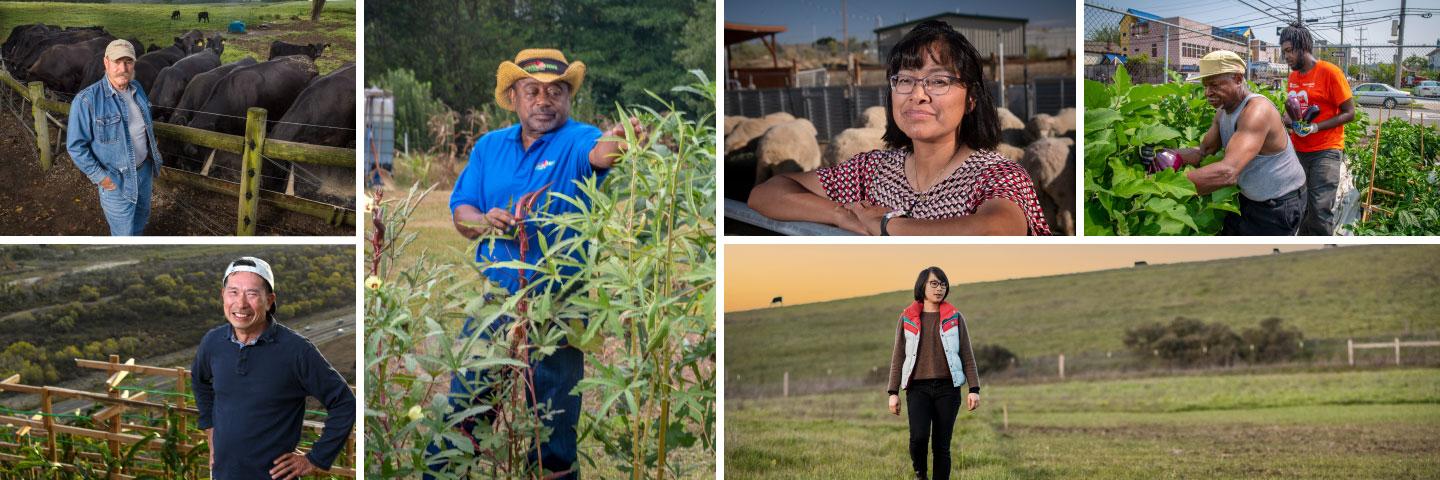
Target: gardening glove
1159, 159
1303, 129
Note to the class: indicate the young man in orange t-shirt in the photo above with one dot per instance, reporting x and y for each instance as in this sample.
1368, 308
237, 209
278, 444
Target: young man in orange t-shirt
1319, 140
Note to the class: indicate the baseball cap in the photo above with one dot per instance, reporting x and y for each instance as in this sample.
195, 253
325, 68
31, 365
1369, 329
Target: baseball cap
119, 49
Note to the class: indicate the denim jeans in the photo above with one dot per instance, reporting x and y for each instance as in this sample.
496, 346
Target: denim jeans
555, 378
127, 218
933, 405
1278, 216
1322, 177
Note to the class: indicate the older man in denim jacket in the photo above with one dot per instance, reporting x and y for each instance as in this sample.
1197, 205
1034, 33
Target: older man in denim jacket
111, 138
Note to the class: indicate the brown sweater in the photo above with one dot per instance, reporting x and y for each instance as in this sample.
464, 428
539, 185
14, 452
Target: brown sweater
930, 355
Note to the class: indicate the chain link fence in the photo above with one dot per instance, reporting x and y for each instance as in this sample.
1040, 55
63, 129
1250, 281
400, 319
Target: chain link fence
1150, 46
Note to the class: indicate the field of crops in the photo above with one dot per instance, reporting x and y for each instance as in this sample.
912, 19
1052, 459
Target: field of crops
1366, 424
1121, 199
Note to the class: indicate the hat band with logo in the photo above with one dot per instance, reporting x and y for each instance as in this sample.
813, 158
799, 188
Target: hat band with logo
543, 65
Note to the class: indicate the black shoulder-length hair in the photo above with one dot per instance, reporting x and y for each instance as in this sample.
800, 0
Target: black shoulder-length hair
980, 129
925, 277
1298, 36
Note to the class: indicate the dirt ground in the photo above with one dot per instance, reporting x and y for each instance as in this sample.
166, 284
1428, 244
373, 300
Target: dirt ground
62, 201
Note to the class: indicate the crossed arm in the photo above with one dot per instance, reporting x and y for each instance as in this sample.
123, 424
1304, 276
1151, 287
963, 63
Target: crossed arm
801, 197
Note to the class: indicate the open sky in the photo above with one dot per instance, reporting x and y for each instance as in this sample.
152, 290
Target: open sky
809, 20
812, 273
1374, 15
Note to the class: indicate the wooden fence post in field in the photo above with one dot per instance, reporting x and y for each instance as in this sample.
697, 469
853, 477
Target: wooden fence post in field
1005, 416
250, 171
785, 386
1397, 351
1062, 366
1350, 350
42, 129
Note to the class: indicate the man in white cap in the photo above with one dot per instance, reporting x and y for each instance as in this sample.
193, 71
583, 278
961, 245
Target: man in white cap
111, 139
1258, 155
251, 377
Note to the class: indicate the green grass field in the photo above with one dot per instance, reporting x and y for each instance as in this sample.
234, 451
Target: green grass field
151, 24
1331, 294
1354, 424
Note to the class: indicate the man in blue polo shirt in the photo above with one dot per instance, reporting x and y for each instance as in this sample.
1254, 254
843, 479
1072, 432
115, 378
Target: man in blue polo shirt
251, 377
545, 150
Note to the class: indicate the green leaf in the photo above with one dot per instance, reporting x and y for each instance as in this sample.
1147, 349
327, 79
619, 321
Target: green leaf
1100, 119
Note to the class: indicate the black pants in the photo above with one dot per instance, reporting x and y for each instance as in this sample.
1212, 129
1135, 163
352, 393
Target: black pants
1278, 216
933, 404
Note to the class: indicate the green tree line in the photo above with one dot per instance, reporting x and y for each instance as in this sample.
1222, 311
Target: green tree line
450, 49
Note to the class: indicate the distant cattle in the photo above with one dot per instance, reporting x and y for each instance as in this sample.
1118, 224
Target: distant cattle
323, 114
281, 49
175, 15
203, 17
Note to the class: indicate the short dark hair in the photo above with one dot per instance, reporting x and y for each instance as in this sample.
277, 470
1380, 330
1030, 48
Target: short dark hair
924, 277
1299, 38
980, 129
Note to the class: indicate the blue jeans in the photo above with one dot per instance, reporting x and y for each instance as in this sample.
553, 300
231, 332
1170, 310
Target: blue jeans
128, 218
555, 378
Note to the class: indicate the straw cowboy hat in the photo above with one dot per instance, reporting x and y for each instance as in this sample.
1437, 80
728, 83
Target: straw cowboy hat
543, 64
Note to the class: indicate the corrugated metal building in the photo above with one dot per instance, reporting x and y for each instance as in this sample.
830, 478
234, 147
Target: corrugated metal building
986, 33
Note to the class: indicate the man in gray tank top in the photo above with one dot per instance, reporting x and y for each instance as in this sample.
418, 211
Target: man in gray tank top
1258, 155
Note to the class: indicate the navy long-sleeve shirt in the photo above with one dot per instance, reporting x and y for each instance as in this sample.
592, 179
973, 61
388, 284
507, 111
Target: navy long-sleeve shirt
254, 397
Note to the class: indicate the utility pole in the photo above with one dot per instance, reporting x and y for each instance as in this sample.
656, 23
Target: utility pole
1362, 48
845, 27
1298, 20
1399, 42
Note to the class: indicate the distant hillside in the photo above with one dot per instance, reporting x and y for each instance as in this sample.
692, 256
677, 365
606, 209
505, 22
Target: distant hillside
1336, 293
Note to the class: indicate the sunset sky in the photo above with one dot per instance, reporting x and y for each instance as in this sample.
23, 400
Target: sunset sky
811, 273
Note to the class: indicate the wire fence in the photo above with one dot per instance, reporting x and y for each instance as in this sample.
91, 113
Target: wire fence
1151, 47
1310, 354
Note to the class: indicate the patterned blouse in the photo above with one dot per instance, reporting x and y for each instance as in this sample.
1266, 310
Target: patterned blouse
879, 177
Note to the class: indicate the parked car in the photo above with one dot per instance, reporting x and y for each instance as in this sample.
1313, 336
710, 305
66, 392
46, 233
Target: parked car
1381, 94
1428, 88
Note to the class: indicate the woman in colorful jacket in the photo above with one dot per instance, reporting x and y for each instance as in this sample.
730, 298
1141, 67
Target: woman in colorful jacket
932, 357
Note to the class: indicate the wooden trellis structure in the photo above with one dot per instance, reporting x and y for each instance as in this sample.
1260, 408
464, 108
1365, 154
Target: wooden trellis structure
117, 434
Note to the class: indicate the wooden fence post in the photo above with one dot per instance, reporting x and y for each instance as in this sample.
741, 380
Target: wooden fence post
1062, 366
114, 392
1005, 416
250, 171
1350, 350
1397, 351
49, 424
42, 129
785, 387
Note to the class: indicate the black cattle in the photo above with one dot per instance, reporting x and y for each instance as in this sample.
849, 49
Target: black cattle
200, 88
151, 48
216, 44
149, 65
280, 49
175, 15
23, 35
203, 17
171, 83
328, 101
63, 67
272, 85
30, 49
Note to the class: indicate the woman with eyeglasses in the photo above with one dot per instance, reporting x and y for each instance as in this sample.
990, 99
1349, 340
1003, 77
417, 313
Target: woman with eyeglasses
932, 357
940, 175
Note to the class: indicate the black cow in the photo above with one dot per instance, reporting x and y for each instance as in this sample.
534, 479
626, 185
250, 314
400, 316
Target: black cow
23, 35
170, 85
63, 67
148, 66
203, 17
328, 101
30, 49
196, 93
175, 15
216, 44
272, 85
280, 49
